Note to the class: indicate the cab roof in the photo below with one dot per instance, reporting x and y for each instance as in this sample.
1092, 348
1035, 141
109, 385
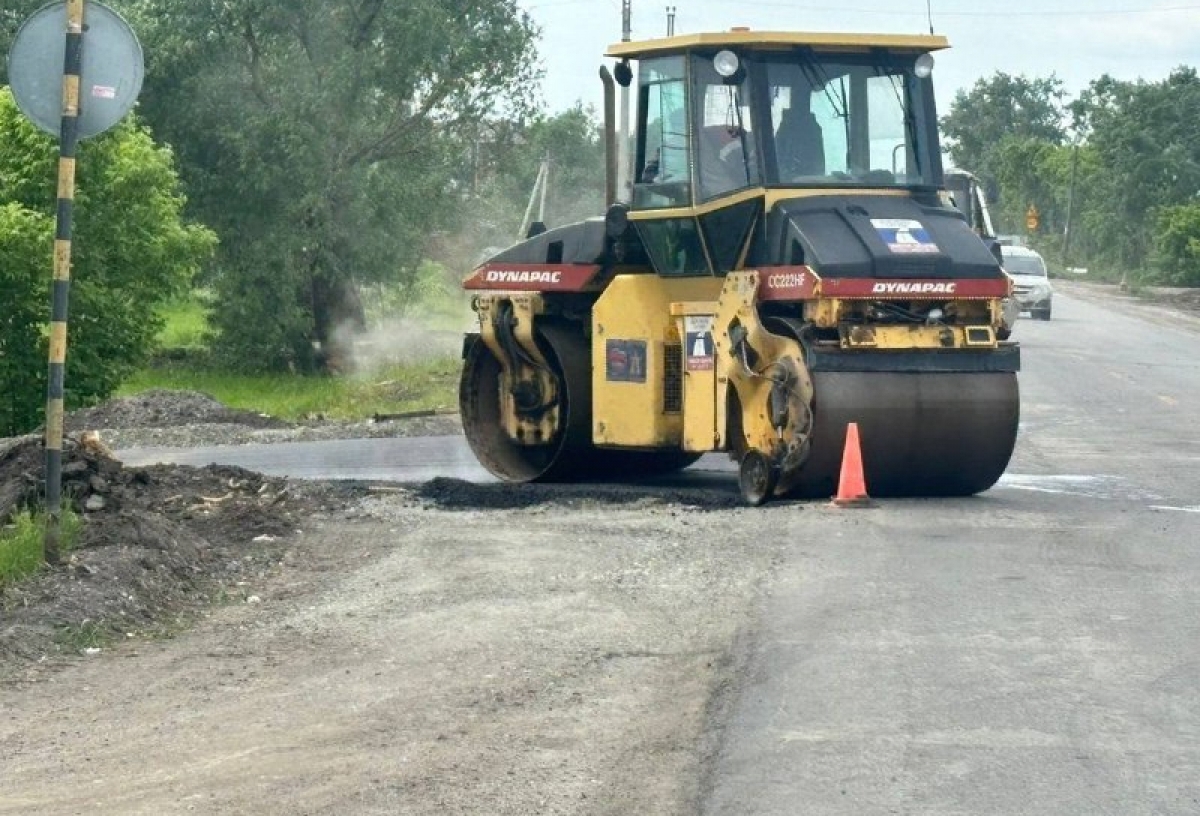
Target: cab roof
779, 40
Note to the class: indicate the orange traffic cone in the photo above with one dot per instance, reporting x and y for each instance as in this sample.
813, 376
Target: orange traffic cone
852, 486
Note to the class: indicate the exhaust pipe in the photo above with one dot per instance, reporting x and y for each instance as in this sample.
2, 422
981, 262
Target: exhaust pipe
610, 137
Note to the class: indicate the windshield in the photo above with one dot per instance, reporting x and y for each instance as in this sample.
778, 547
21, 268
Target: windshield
848, 122
795, 118
1025, 265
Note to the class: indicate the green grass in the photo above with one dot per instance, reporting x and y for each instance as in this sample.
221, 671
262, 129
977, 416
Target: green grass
427, 386
86, 635
391, 387
22, 539
185, 322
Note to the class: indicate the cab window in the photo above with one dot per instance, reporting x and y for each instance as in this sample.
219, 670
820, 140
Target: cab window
664, 155
726, 160
846, 122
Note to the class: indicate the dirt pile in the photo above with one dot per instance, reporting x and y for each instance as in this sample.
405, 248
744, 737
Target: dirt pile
158, 408
157, 543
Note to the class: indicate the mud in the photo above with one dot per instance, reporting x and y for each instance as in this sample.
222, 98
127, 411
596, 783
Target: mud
157, 544
456, 494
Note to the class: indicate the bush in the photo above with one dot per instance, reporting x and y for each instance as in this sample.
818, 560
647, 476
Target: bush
131, 252
1177, 244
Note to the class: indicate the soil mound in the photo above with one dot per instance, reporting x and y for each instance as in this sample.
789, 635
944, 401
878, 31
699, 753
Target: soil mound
157, 543
164, 408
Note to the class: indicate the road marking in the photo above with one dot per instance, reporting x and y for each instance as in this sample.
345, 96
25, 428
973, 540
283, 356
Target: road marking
1066, 484
1176, 509
1168, 400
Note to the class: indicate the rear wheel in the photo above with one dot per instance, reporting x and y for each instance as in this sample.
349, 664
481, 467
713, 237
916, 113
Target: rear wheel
757, 477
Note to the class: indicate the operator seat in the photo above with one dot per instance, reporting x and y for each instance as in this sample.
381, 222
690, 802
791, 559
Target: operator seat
799, 145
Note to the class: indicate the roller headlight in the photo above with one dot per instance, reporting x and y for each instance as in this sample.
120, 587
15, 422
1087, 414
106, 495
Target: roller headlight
726, 63
924, 66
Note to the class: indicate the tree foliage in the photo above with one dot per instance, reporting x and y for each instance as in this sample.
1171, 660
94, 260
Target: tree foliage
998, 109
131, 251
321, 139
1177, 243
1126, 182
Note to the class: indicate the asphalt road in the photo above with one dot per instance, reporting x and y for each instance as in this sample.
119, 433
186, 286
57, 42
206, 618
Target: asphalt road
1034, 650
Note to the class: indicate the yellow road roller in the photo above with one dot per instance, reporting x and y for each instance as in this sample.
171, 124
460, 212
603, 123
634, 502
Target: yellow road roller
779, 258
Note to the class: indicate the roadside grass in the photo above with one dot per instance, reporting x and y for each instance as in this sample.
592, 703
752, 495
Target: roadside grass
389, 387
81, 636
399, 388
21, 543
185, 322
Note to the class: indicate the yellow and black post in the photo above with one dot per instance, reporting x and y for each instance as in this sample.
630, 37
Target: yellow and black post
61, 286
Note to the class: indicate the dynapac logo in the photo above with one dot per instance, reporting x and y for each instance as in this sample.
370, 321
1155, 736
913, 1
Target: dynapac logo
523, 276
897, 288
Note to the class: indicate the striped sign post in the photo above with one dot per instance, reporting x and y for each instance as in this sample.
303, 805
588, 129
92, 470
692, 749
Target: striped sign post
61, 287
50, 90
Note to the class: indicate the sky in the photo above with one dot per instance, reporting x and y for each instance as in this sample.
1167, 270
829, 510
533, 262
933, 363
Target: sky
1076, 40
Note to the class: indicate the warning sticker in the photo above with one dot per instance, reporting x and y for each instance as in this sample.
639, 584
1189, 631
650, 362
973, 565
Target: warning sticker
904, 235
699, 342
625, 361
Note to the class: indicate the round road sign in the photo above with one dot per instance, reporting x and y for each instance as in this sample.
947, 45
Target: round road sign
110, 80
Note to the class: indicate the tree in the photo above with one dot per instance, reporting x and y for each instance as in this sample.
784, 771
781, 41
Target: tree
505, 156
132, 251
1144, 135
1177, 244
1001, 107
320, 139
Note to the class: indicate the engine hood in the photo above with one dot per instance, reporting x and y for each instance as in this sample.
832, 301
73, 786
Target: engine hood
874, 236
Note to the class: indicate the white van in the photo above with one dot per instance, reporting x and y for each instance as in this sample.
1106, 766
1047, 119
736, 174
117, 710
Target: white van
1031, 284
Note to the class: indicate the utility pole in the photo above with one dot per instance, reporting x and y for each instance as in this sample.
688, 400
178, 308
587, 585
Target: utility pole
1070, 206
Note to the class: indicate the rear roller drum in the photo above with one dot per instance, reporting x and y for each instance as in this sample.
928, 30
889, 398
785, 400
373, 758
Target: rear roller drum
565, 457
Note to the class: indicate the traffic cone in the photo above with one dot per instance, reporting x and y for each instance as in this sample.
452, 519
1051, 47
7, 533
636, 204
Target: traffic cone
852, 486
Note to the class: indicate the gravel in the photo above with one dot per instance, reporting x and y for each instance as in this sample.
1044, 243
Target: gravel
181, 419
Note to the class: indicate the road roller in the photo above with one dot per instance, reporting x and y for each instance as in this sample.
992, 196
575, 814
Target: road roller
779, 257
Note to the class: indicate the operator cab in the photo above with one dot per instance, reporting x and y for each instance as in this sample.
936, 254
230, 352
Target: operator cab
723, 113
739, 121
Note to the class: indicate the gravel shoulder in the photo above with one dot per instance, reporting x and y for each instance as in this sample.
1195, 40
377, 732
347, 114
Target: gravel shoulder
401, 658
1172, 306
367, 648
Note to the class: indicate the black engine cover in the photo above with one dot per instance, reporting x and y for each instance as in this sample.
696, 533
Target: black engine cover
873, 236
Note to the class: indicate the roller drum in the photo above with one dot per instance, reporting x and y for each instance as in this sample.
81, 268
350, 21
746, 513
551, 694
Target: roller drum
570, 456
921, 434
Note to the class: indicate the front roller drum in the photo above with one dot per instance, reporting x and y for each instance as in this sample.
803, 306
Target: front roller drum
921, 434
